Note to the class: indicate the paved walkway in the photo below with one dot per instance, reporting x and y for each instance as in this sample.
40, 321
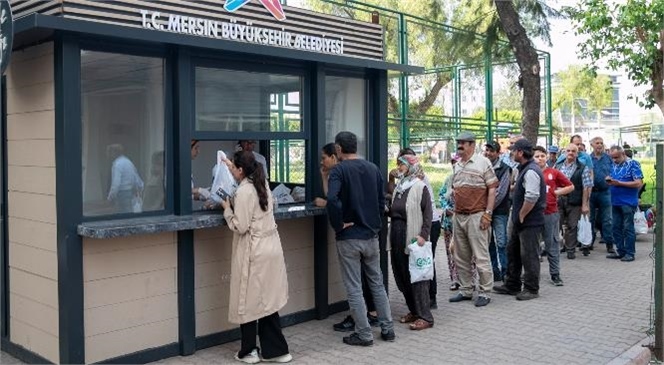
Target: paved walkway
601, 312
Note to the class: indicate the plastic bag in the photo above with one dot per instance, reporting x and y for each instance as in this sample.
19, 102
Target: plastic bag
420, 262
223, 184
640, 222
585, 232
137, 204
282, 194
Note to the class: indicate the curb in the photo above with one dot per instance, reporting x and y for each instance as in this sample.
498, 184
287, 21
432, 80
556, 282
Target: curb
638, 354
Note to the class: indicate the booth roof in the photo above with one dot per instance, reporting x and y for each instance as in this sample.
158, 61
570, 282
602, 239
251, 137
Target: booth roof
33, 28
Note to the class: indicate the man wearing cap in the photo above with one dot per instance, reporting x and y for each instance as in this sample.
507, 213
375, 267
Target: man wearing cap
553, 156
501, 211
600, 199
474, 187
529, 201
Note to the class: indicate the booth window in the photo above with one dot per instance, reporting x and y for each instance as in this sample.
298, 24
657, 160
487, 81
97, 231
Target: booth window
122, 112
346, 110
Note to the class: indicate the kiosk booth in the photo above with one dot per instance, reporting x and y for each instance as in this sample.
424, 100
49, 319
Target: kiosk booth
86, 279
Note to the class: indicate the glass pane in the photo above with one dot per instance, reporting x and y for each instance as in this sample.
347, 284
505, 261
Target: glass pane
122, 109
239, 101
287, 159
345, 109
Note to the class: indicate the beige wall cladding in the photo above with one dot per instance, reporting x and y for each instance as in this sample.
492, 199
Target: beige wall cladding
31, 152
130, 294
35, 125
212, 252
33, 260
35, 340
28, 232
29, 179
31, 201
37, 288
36, 207
113, 344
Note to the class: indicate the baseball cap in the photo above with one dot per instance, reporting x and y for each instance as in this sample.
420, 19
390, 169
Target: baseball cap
466, 136
553, 149
495, 146
521, 145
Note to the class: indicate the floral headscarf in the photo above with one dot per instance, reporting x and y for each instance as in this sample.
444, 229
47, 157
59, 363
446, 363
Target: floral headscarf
412, 175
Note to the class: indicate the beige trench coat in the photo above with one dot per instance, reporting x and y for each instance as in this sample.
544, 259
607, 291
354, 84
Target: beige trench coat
259, 286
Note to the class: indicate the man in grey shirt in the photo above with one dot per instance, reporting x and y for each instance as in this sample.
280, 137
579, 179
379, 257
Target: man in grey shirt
528, 203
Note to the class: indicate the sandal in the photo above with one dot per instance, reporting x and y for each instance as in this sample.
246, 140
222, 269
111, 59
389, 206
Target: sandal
420, 324
408, 318
455, 286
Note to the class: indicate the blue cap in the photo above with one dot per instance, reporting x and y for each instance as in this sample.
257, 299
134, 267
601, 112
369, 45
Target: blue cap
553, 149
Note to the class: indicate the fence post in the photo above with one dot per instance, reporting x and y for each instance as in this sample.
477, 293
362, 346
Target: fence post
659, 242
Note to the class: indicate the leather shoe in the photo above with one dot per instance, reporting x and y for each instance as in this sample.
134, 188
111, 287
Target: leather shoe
627, 258
408, 318
459, 297
610, 249
503, 289
571, 255
481, 301
614, 256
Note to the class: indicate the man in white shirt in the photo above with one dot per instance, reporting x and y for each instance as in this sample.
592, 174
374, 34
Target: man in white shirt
125, 181
249, 145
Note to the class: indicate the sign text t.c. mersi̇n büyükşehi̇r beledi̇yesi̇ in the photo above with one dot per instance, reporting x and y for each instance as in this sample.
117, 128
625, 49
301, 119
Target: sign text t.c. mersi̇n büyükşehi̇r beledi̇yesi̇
232, 30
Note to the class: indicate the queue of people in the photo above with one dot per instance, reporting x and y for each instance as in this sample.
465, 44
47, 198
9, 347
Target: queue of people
493, 217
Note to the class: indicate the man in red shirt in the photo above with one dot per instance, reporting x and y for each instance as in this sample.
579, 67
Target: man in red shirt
557, 184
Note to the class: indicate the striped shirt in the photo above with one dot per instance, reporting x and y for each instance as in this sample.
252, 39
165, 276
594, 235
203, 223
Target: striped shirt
471, 182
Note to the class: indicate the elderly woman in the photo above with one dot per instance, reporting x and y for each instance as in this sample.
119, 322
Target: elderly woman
410, 220
259, 286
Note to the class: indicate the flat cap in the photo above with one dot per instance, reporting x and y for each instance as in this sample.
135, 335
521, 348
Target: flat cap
466, 137
522, 145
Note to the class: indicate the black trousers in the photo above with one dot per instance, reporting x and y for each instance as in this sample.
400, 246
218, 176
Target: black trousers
523, 253
435, 235
272, 339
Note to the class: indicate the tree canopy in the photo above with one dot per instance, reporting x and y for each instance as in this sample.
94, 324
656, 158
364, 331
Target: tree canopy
624, 36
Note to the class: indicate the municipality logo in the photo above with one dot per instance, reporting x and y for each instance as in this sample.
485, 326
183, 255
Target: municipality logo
273, 6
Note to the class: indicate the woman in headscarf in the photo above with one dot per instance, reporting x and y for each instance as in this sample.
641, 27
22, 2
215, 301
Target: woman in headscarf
410, 214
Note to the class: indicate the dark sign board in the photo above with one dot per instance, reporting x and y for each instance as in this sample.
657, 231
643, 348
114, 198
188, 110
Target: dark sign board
6, 34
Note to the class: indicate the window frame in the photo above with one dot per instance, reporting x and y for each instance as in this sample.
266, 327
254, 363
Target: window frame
140, 50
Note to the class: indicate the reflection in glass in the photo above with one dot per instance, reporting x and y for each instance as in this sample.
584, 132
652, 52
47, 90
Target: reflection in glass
240, 101
345, 109
122, 112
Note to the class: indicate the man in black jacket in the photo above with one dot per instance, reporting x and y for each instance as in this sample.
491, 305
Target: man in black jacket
528, 203
501, 211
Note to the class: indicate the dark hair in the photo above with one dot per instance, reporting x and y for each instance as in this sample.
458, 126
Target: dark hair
539, 148
407, 151
254, 172
347, 141
193, 142
571, 139
329, 150
528, 154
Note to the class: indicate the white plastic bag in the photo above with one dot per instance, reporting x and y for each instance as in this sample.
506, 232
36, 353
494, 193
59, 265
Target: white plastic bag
420, 262
585, 232
137, 204
223, 184
640, 222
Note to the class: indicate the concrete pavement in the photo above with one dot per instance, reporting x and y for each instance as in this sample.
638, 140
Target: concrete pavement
599, 316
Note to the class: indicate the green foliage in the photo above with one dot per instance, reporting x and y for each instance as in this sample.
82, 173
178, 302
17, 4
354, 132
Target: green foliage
624, 36
577, 82
508, 98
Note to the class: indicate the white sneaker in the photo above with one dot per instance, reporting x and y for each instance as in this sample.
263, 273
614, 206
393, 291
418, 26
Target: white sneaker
280, 359
250, 358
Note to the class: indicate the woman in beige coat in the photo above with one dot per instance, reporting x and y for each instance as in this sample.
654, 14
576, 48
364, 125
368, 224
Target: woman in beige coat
259, 286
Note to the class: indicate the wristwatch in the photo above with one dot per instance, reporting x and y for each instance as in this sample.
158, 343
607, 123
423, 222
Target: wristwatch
488, 211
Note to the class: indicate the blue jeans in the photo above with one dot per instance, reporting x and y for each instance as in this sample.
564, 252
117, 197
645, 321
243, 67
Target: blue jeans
623, 229
600, 205
551, 244
497, 245
355, 256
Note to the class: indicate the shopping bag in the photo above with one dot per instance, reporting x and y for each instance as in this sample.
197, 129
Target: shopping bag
585, 232
420, 262
640, 222
223, 184
137, 204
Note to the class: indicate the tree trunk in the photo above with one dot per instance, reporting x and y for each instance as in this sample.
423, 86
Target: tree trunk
526, 58
431, 96
657, 78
